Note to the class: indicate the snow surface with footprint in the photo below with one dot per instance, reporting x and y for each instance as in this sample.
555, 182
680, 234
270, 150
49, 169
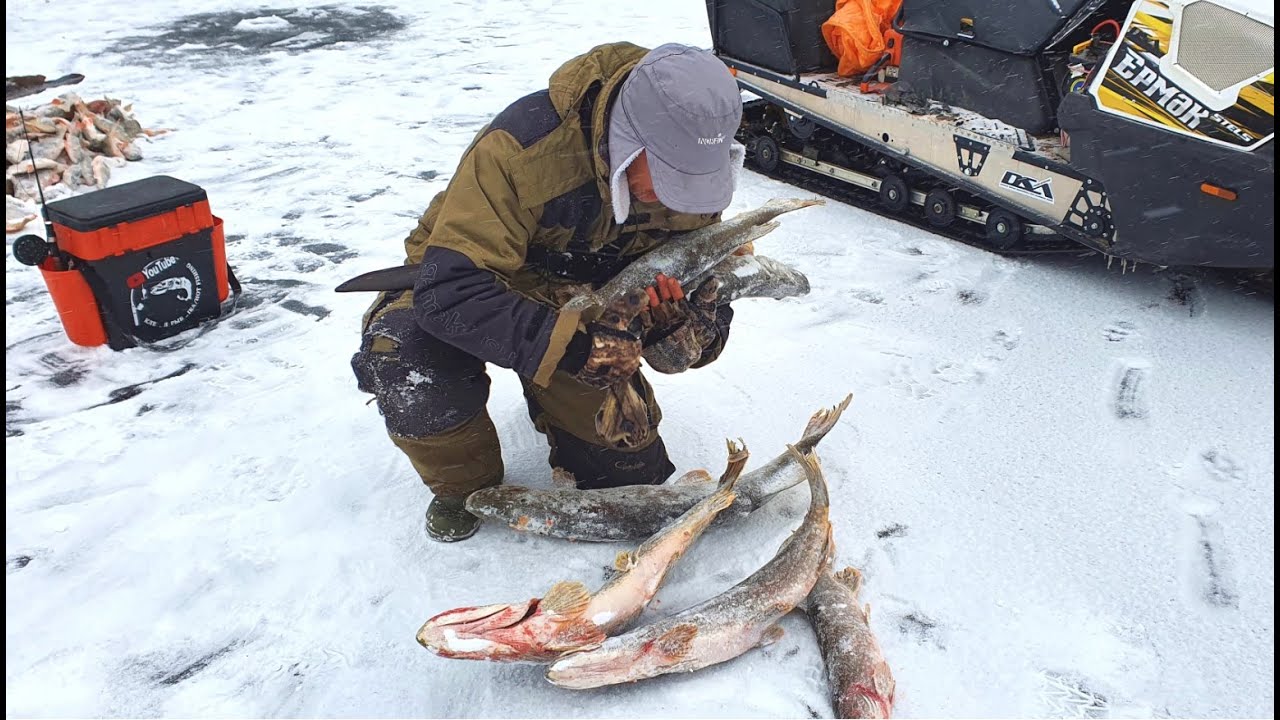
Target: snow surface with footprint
1058, 479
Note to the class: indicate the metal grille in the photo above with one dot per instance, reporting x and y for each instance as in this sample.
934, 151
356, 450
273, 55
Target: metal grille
1221, 47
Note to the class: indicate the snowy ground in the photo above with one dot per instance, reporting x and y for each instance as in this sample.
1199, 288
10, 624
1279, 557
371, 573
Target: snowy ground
241, 539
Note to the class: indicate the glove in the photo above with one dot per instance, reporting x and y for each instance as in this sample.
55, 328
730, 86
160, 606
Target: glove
702, 311
678, 329
609, 351
667, 312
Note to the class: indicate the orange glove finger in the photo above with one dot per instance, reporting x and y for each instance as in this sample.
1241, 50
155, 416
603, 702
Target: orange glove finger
664, 287
653, 296
677, 292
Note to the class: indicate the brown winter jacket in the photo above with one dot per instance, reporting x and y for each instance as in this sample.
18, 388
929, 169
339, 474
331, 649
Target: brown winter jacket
532, 191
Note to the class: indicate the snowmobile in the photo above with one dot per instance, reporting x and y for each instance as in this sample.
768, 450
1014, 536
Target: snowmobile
1139, 129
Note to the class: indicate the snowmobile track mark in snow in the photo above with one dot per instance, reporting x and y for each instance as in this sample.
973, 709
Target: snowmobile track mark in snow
191, 669
1186, 292
121, 394
65, 372
1215, 585
1131, 398
12, 419
14, 563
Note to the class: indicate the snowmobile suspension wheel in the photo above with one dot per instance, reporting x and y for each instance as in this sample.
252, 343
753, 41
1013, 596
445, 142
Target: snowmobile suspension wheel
1004, 229
894, 195
765, 153
939, 208
801, 127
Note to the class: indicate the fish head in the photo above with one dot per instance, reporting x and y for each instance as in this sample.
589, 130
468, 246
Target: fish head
508, 632
870, 700
475, 633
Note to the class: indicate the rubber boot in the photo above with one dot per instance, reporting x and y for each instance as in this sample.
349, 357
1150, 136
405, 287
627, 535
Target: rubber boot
449, 521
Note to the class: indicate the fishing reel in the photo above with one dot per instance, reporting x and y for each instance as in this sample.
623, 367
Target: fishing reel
33, 249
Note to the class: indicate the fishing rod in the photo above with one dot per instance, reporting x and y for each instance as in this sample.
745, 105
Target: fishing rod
33, 249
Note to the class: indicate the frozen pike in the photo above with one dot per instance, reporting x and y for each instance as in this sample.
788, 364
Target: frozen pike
740, 276
744, 276
724, 627
569, 617
861, 683
693, 255
634, 512
696, 255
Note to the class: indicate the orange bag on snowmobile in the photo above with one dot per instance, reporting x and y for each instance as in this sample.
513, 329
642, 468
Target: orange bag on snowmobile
855, 33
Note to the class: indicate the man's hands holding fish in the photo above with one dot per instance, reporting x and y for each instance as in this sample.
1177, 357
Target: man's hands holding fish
661, 324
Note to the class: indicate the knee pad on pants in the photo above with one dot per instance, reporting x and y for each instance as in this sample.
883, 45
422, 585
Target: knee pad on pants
423, 385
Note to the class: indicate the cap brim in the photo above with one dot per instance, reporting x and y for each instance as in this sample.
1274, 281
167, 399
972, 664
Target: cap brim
706, 193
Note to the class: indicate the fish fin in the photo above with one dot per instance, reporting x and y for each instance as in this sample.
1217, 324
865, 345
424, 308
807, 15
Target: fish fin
693, 477
821, 423
566, 599
771, 636
562, 478
759, 231
576, 635
676, 642
850, 578
624, 561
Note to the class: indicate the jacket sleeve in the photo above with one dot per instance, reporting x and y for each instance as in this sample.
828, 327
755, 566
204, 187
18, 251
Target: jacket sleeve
481, 235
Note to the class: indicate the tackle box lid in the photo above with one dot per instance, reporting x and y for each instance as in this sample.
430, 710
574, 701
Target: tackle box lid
128, 202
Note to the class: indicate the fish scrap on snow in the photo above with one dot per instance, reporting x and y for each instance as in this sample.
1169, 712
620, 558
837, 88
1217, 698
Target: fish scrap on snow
64, 146
586, 638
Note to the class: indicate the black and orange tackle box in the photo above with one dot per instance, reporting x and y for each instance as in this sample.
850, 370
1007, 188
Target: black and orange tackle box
137, 262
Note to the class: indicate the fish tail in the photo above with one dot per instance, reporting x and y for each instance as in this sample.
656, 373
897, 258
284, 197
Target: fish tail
820, 424
738, 455
725, 494
850, 578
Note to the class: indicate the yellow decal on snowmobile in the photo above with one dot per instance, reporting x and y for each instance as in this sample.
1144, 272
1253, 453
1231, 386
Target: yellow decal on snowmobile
1134, 86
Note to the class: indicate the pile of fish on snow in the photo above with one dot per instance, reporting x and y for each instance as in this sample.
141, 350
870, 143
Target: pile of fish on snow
75, 145
585, 637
